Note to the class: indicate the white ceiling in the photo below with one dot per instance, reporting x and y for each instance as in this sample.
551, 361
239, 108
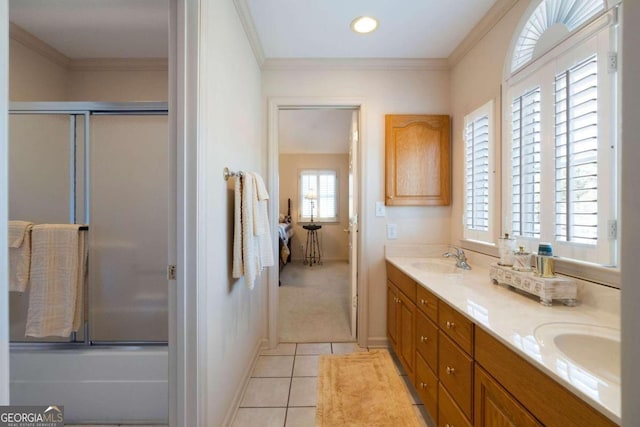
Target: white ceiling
319, 131
285, 28
320, 28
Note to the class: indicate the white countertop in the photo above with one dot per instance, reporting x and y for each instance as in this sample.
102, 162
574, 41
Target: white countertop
520, 322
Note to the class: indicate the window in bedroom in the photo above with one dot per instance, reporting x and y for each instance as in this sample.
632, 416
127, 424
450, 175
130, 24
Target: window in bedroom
479, 175
562, 138
318, 190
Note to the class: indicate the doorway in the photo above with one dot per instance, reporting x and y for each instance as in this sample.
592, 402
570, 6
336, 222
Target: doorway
315, 147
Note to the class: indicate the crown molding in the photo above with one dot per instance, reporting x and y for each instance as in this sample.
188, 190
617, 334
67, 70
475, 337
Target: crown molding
383, 64
30, 41
250, 30
119, 64
486, 24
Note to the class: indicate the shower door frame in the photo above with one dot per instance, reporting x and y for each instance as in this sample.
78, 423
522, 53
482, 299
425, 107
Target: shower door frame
87, 109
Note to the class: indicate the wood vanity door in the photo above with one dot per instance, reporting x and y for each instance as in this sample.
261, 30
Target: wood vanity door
494, 406
418, 170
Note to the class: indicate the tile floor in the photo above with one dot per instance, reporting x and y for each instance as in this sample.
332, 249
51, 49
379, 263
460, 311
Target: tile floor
282, 389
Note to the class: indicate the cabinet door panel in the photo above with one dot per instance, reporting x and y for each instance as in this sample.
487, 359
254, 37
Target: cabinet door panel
449, 414
427, 386
392, 324
494, 406
407, 335
417, 160
427, 340
455, 370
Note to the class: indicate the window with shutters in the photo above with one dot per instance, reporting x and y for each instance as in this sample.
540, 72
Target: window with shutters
323, 184
562, 139
479, 174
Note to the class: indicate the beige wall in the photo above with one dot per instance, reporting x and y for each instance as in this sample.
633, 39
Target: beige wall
232, 318
35, 77
382, 92
475, 80
334, 241
114, 86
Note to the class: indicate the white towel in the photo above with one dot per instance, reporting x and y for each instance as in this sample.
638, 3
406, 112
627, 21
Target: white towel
252, 251
19, 255
238, 265
58, 273
261, 228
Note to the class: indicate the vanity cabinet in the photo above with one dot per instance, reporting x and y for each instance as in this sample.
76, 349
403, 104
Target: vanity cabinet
465, 376
417, 160
401, 317
494, 406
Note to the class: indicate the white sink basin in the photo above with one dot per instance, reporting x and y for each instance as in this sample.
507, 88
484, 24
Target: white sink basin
436, 265
591, 347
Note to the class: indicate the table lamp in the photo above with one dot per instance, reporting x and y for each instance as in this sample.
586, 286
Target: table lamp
311, 195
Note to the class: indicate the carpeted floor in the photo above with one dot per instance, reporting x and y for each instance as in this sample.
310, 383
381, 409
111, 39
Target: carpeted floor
314, 303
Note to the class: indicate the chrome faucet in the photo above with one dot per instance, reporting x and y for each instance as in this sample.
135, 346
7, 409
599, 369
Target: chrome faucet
461, 258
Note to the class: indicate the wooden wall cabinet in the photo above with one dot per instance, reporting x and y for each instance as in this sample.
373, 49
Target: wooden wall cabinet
418, 160
465, 376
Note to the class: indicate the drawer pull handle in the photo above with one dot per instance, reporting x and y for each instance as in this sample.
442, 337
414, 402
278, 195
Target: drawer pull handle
450, 371
450, 325
423, 385
423, 338
423, 301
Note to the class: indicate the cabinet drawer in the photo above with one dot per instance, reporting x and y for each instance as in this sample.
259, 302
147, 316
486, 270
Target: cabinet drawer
402, 281
427, 303
455, 370
427, 340
449, 415
456, 326
427, 385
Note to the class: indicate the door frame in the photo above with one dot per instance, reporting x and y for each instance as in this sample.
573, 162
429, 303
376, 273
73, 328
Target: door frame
275, 104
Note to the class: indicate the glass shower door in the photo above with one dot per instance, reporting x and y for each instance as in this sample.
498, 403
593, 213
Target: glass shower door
129, 225
44, 170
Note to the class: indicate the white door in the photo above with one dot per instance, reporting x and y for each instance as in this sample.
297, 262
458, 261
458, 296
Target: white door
353, 218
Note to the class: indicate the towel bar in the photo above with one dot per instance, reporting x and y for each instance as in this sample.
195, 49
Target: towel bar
228, 173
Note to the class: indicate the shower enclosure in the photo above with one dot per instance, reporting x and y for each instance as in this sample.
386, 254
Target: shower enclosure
108, 166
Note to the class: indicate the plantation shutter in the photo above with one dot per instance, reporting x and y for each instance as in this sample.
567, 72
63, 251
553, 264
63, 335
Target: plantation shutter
477, 174
525, 164
576, 165
324, 183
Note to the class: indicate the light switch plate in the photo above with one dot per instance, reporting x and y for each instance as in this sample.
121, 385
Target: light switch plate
380, 209
392, 231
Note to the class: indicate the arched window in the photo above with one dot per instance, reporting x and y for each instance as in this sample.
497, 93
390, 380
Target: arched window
549, 22
559, 181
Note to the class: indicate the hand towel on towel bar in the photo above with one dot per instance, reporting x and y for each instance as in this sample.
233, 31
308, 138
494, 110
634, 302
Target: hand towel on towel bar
19, 255
252, 249
58, 274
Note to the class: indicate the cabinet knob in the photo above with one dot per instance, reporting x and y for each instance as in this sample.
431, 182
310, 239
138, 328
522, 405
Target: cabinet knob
423, 301
423, 338
450, 371
398, 300
423, 385
448, 425
450, 325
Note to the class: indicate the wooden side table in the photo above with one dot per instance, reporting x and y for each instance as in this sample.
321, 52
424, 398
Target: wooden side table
312, 253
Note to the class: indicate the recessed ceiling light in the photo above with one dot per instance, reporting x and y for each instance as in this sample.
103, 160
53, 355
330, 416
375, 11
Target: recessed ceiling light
364, 24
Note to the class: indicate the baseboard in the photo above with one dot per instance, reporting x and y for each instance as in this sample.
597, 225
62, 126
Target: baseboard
378, 342
237, 398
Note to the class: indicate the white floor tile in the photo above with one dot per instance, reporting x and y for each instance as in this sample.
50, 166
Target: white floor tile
266, 392
306, 366
267, 417
301, 417
303, 391
273, 366
283, 349
346, 348
307, 349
